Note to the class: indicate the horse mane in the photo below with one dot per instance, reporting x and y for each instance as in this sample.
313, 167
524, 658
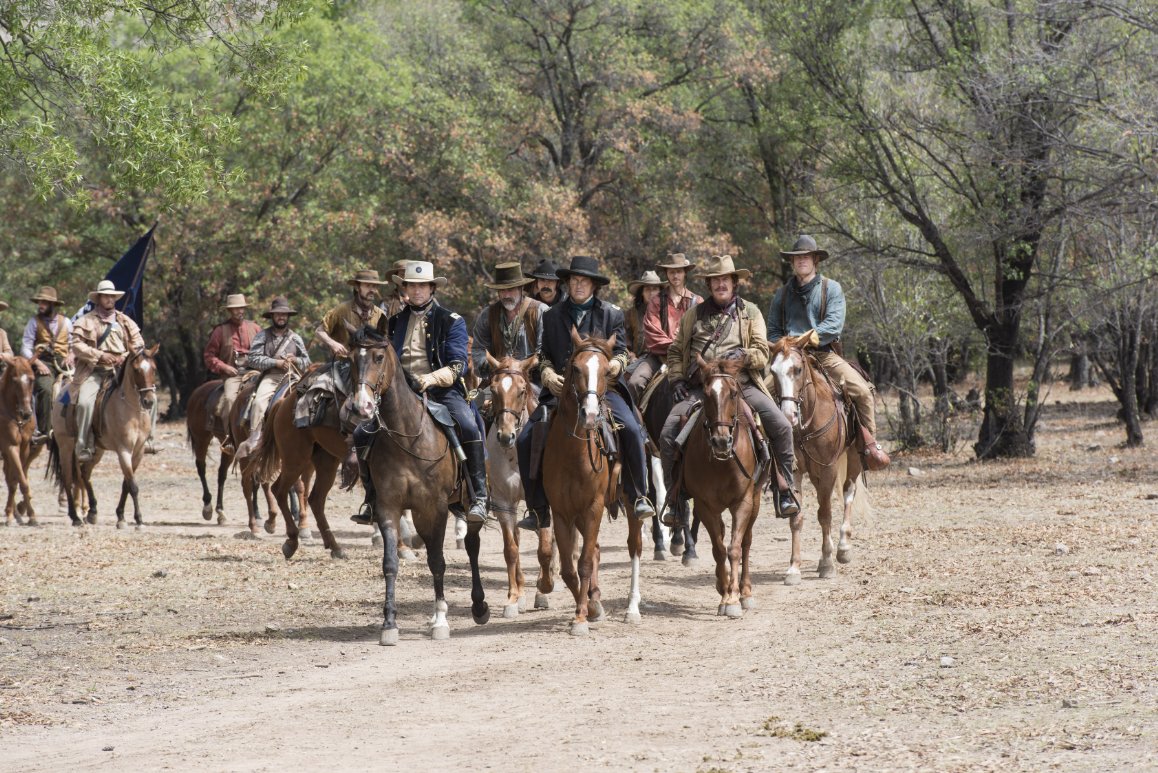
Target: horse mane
812, 371
602, 344
367, 336
729, 366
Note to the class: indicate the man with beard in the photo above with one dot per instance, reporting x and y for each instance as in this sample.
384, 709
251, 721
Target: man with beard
276, 352
546, 287
509, 327
45, 342
225, 356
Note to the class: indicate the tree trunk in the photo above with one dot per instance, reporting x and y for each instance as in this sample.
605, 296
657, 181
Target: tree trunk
1079, 375
1002, 431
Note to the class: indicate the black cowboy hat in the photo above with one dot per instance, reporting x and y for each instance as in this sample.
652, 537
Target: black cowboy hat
547, 269
279, 305
805, 245
584, 265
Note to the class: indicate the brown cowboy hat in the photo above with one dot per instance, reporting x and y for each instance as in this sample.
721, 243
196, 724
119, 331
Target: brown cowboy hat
647, 279
398, 267
46, 294
279, 305
105, 287
418, 271
805, 245
235, 301
677, 260
508, 276
366, 276
584, 265
722, 265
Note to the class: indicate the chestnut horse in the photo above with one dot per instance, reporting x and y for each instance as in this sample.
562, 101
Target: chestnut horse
512, 403
720, 471
824, 448
580, 481
16, 425
412, 467
121, 424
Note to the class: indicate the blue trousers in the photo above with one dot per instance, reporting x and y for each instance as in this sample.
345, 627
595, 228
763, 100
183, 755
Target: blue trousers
631, 453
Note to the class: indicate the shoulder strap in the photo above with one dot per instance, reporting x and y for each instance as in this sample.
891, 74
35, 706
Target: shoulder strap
823, 299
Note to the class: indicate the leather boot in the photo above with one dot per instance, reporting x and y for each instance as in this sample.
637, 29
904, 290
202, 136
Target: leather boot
670, 516
351, 467
873, 457
536, 519
787, 506
365, 515
476, 468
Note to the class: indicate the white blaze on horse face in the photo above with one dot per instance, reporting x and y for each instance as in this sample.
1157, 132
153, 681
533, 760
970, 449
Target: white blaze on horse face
780, 367
591, 401
506, 383
363, 398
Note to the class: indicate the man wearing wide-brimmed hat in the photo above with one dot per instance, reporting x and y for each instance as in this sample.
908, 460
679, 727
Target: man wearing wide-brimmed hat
725, 325
511, 326
663, 316
431, 344
810, 301
225, 355
641, 290
590, 316
45, 342
360, 311
101, 340
277, 351
545, 288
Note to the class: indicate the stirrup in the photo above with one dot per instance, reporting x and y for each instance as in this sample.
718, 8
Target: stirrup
365, 515
787, 502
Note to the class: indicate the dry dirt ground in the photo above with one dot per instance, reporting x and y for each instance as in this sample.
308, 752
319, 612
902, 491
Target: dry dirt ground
998, 616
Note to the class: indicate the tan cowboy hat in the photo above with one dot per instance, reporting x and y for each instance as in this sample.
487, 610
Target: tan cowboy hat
677, 260
279, 305
46, 294
508, 276
105, 287
235, 301
365, 276
805, 245
398, 267
418, 271
648, 278
722, 265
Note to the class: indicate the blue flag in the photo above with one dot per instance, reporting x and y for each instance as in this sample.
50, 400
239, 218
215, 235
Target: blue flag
128, 274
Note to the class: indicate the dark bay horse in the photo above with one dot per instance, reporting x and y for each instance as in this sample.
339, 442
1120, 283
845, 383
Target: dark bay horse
413, 467
580, 481
512, 403
16, 426
720, 472
824, 448
121, 425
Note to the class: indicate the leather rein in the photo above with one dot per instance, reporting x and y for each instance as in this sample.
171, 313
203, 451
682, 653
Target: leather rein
732, 425
380, 423
807, 435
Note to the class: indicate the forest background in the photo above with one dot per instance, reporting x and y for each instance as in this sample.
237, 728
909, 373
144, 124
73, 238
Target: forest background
983, 173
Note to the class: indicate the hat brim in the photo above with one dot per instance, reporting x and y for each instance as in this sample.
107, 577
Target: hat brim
269, 314
353, 282
236, 306
508, 285
739, 273
685, 266
634, 285
438, 281
789, 255
38, 298
566, 273
116, 294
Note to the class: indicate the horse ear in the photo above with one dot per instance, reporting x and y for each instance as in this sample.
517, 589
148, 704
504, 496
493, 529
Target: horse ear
611, 341
528, 364
575, 338
492, 361
806, 340
153, 351
352, 328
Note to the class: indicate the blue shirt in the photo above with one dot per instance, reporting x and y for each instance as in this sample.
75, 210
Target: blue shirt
801, 312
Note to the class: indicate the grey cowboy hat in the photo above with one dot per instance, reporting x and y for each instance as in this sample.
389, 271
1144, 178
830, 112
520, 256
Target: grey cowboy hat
547, 269
648, 279
365, 276
805, 245
584, 265
235, 301
677, 260
279, 305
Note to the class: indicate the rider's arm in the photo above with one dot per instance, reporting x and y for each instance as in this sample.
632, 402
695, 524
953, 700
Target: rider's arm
84, 340
302, 360
213, 363
619, 331
256, 358
776, 330
481, 344
757, 349
676, 353
830, 328
28, 339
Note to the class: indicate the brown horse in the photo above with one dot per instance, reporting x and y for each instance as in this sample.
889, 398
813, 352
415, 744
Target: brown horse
16, 427
286, 455
580, 481
121, 425
512, 403
824, 448
412, 467
720, 471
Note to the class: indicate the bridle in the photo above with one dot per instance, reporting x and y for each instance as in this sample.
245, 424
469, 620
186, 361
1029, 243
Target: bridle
376, 388
4, 380
517, 414
596, 455
125, 369
807, 435
735, 422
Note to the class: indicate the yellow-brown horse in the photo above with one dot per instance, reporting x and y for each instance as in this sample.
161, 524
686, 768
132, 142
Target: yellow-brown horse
16, 449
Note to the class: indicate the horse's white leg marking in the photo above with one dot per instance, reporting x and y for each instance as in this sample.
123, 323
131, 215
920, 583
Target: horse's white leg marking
439, 627
632, 615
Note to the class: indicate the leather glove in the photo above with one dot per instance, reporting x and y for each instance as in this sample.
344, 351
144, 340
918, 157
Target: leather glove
552, 380
680, 391
426, 381
614, 368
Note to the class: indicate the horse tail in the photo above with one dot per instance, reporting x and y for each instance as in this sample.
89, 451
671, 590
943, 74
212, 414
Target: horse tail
53, 470
267, 459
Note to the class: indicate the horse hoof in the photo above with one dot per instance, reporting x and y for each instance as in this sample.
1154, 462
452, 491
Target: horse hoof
220, 518
541, 601
441, 633
579, 629
484, 618
339, 554
406, 554
270, 526
288, 548
389, 637
748, 603
595, 612
90, 519
633, 618
844, 555
733, 611
207, 512
120, 524
792, 577
510, 611
305, 535
78, 522
460, 544
416, 542
660, 554
689, 560
825, 570
677, 548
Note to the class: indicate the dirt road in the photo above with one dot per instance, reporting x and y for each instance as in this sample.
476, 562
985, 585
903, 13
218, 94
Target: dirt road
997, 616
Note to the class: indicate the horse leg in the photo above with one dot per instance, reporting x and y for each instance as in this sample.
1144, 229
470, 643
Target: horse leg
271, 509
514, 566
206, 497
389, 531
844, 549
222, 474
746, 600
479, 609
826, 568
407, 536
566, 535
659, 533
84, 478
586, 568
742, 518
546, 582
281, 488
326, 469
249, 492
595, 612
796, 525
715, 528
635, 550
691, 535
10, 479
436, 562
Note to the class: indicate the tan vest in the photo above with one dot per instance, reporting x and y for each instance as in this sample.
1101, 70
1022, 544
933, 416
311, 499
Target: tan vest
46, 342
